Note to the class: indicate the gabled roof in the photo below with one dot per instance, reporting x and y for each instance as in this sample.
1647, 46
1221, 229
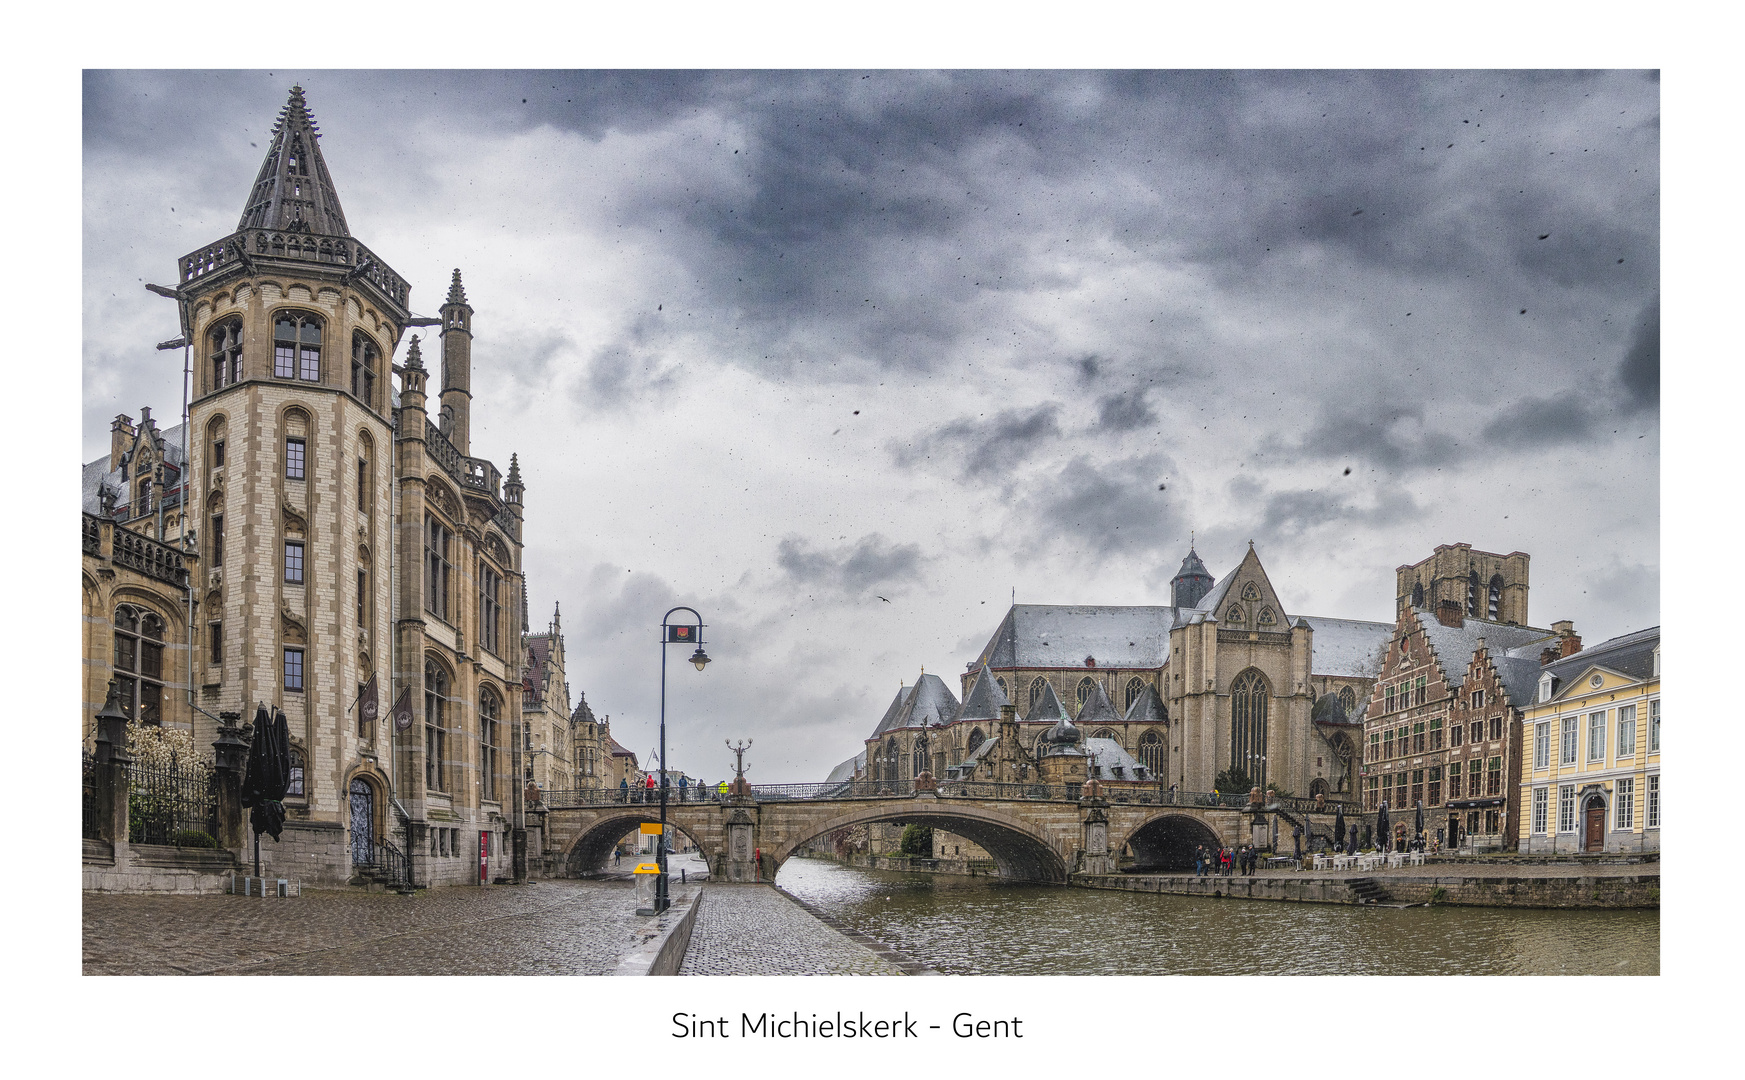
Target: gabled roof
846, 770
1454, 645
1062, 635
928, 702
293, 191
1519, 676
1147, 708
1097, 709
983, 700
1630, 655
1212, 600
1348, 648
894, 713
98, 472
1107, 755
533, 684
1046, 709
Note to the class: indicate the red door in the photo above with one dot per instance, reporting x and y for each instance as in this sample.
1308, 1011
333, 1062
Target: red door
1595, 833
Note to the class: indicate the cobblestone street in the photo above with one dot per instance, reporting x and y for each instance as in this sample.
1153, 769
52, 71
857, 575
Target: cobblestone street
543, 928
755, 930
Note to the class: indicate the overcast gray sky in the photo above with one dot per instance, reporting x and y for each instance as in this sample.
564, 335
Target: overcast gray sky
776, 345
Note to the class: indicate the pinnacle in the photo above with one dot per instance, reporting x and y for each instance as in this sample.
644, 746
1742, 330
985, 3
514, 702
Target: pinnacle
414, 355
457, 294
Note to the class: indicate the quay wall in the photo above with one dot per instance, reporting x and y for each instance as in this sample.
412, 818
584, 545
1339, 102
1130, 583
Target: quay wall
1474, 888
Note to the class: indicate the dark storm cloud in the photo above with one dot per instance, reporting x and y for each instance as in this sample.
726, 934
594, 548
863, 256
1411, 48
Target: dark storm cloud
986, 449
1099, 508
1292, 514
872, 562
1125, 411
1640, 371
1374, 429
1535, 421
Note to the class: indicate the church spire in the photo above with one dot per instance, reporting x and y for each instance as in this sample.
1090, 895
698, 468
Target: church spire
294, 192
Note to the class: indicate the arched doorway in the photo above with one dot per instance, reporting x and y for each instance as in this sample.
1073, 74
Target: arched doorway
1593, 829
363, 823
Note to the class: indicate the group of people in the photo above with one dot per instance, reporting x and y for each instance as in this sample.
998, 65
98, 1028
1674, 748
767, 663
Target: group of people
1222, 861
683, 791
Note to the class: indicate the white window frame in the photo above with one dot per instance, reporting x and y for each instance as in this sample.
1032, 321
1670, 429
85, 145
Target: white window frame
1542, 747
1566, 808
1651, 808
1626, 731
1570, 732
1596, 747
1624, 803
1654, 725
1541, 810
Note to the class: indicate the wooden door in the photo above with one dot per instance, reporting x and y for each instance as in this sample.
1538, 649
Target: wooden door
1595, 837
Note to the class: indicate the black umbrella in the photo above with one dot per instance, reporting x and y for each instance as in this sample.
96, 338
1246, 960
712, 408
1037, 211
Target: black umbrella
1351, 843
268, 775
1418, 824
1381, 828
1338, 826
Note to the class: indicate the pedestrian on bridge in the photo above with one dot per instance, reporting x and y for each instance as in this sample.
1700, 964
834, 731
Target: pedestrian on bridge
684, 782
623, 790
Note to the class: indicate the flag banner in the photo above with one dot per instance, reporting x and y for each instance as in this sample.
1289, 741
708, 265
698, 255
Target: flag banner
685, 634
403, 710
367, 703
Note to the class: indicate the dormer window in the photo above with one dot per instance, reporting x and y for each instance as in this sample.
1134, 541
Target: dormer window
1545, 682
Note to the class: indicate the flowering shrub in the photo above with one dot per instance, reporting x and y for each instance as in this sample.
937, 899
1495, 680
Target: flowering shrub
160, 748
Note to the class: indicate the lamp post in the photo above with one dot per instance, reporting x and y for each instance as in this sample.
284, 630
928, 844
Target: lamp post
672, 633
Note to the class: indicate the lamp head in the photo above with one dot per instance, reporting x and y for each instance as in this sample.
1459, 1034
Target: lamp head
700, 658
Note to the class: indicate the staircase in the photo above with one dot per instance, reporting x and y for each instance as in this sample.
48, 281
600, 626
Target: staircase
387, 870
1367, 891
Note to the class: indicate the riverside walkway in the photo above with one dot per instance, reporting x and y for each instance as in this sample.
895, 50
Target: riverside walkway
760, 930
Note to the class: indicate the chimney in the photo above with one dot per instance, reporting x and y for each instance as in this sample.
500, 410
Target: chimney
1547, 655
121, 435
1568, 641
1449, 613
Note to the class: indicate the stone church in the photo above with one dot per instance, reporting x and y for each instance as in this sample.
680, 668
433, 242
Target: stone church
319, 533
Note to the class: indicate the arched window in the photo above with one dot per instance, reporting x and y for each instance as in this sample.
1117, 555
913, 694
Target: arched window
437, 538
893, 760
489, 713
364, 357
1248, 701
1496, 597
1151, 753
1135, 687
1037, 685
1235, 614
1472, 594
139, 664
1086, 685
1418, 595
918, 757
1001, 683
226, 353
297, 346
1348, 701
976, 738
1104, 733
435, 726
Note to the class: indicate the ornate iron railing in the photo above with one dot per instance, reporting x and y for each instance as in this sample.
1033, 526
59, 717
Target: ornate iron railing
91, 534
88, 801
386, 860
150, 557
171, 806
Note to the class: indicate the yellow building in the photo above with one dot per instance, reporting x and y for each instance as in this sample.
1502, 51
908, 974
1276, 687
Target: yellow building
1590, 778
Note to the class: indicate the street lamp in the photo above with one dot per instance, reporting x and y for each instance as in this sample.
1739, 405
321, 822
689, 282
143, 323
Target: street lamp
672, 633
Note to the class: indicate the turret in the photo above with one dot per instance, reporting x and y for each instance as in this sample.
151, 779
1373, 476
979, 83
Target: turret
412, 378
1191, 583
457, 366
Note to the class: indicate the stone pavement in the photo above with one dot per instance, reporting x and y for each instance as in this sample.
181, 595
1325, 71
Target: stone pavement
542, 928
757, 930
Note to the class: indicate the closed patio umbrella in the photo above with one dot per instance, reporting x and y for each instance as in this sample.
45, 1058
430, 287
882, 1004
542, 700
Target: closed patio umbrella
1381, 827
1338, 827
267, 777
1418, 822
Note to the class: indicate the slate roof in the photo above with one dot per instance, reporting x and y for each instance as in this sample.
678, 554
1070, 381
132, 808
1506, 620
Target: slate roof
1520, 677
928, 702
533, 684
983, 700
846, 770
1097, 709
1108, 755
1348, 648
299, 195
1210, 602
1629, 654
1147, 708
1046, 709
1058, 635
98, 472
1454, 646
889, 720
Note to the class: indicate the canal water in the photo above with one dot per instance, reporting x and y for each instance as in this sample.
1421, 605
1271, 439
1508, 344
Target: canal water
979, 926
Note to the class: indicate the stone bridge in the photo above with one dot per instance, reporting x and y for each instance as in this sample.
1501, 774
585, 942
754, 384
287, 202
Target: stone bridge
1045, 838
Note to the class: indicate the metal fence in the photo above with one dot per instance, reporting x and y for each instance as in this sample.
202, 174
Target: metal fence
1148, 795
387, 861
88, 801
177, 806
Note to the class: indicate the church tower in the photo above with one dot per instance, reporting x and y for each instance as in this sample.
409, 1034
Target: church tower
457, 366
292, 321
1191, 583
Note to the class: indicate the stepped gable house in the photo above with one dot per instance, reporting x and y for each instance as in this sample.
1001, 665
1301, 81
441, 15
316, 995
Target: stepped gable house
341, 535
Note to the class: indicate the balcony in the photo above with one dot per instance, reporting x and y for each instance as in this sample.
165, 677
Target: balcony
139, 553
336, 251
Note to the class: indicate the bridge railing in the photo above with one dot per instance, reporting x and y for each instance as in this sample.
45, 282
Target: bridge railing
951, 789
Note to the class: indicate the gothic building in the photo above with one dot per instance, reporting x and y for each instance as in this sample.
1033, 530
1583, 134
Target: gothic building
342, 537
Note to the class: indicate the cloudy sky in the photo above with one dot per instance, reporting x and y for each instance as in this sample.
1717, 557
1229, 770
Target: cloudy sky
844, 359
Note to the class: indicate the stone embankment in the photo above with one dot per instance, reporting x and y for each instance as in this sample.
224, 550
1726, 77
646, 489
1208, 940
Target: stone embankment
1487, 883
761, 930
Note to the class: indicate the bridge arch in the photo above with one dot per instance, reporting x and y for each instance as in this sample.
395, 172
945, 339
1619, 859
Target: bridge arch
1022, 852
1166, 841
594, 846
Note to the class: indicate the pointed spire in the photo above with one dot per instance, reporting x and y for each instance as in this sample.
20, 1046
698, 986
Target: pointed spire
293, 191
414, 355
514, 469
457, 294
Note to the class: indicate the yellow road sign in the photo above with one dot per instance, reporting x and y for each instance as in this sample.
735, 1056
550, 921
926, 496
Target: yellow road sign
650, 828
647, 868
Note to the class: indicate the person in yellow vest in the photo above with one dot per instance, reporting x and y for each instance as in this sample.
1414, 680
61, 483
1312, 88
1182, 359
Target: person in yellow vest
721, 790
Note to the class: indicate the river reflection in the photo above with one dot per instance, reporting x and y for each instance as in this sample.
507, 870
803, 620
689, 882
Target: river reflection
977, 926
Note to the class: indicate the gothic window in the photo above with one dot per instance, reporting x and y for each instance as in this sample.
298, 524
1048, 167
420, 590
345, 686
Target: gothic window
437, 539
1038, 685
364, 358
1151, 752
1105, 733
1418, 595
1235, 614
1002, 685
490, 606
215, 642
892, 758
365, 454
1248, 705
1348, 700
139, 664
489, 710
435, 731
226, 354
1086, 685
1267, 618
297, 346
1472, 594
215, 540
976, 738
1250, 591
142, 504
1495, 600
1135, 687
363, 595
918, 757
